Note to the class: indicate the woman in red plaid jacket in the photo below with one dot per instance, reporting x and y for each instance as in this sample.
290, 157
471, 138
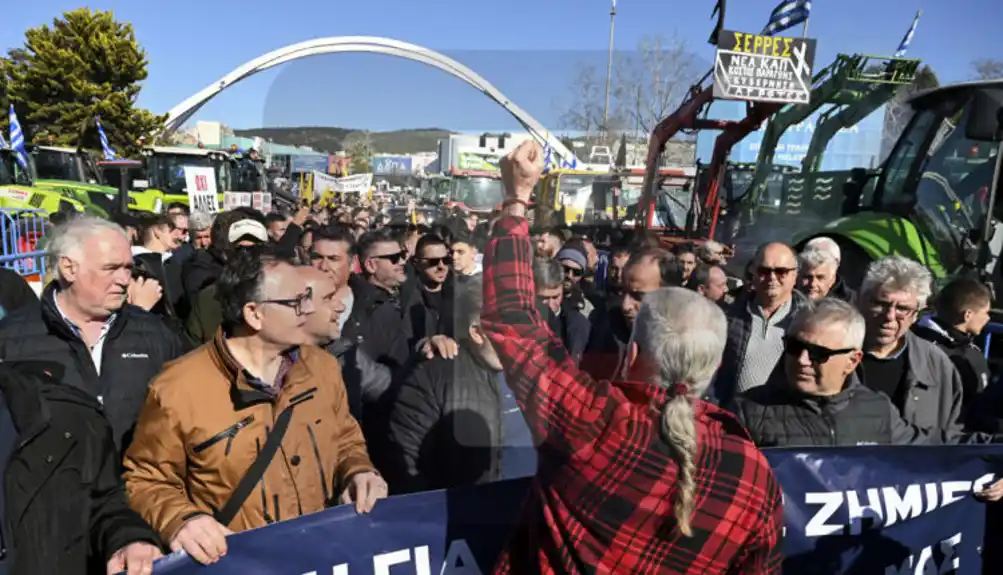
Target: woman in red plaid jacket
634, 476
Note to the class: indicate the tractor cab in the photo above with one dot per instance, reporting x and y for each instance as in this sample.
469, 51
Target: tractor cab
479, 191
166, 173
942, 179
55, 164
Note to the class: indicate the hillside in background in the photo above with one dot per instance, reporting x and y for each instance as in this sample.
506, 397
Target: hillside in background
334, 139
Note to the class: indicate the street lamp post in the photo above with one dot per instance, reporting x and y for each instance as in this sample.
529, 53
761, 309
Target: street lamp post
609, 70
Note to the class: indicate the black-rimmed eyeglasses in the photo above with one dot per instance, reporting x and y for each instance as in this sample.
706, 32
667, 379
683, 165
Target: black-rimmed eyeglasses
296, 303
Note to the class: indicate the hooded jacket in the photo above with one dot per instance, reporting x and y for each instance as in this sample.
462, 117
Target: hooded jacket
964, 354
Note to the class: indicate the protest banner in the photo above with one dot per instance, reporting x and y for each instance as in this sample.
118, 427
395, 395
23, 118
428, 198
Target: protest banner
201, 184
358, 183
878, 509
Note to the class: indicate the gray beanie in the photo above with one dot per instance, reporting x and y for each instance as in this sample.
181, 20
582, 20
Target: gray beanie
574, 254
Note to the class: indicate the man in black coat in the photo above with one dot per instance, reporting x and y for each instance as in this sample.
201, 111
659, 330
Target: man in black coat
69, 515
454, 422
107, 348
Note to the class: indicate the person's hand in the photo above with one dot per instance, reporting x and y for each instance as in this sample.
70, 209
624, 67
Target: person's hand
364, 489
521, 170
301, 215
203, 538
135, 559
440, 345
992, 493
145, 293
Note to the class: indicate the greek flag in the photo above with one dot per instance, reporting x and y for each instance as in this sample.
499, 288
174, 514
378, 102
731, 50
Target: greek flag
787, 14
904, 45
548, 159
109, 152
17, 140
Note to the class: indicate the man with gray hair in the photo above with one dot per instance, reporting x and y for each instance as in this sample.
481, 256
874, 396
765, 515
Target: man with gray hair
107, 347
915, 374
719, 505
818, 399
820, 259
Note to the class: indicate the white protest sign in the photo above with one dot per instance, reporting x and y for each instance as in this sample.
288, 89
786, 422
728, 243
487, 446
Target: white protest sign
233, 200
261, 201
201, 184
359, 183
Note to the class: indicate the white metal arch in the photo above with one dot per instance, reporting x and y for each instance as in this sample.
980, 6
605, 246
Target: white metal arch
373, 45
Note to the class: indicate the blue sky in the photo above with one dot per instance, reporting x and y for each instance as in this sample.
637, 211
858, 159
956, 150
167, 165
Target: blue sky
527, 48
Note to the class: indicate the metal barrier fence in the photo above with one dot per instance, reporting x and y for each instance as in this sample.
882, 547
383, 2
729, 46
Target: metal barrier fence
20, 232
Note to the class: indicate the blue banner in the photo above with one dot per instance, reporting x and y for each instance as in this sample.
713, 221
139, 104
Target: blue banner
306, 164
392, 166
848, 510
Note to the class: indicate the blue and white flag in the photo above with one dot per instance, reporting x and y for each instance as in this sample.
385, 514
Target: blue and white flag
3, 142
109, 152
787, 14
17, 140
904, 45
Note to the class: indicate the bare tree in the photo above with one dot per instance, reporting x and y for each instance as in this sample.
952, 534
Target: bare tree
987, 68
652, 81
583, 111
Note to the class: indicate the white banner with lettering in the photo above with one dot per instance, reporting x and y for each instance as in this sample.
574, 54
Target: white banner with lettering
201, 183
261, 201
357, 184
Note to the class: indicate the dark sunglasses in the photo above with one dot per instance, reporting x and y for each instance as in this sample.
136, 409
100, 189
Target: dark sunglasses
817, 354
434, 262
392, 258
296, 303
573, 272
764, 271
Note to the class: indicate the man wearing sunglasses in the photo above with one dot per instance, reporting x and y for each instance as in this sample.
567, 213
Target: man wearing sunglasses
377, 321
757, 322
431, 307
817, 399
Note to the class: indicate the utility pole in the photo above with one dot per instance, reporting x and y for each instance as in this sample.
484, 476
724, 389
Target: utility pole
609, 70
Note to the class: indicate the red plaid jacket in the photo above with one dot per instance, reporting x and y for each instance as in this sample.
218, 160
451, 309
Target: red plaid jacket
602, 499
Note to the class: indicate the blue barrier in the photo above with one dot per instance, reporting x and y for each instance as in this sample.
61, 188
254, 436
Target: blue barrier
20, 231
853, 510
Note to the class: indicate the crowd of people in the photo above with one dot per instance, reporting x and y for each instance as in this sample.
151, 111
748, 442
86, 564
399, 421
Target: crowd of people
186, 376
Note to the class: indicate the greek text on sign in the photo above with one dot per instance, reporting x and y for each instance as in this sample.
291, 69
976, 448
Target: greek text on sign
763, 68
202, 195
16, 194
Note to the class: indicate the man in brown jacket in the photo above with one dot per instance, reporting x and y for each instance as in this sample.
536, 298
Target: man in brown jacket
194, 471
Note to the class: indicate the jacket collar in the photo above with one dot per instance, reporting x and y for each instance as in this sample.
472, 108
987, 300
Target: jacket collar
57, 323
242, 393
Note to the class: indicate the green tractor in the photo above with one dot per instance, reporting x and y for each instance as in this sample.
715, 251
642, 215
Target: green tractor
936, 197
20, 191
74, 173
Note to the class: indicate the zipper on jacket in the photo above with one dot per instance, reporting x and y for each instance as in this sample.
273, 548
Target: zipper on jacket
229, 433
320, 466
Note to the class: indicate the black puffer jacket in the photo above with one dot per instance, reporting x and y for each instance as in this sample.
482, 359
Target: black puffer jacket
778, 415
64, 506
137, 345
445, 427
